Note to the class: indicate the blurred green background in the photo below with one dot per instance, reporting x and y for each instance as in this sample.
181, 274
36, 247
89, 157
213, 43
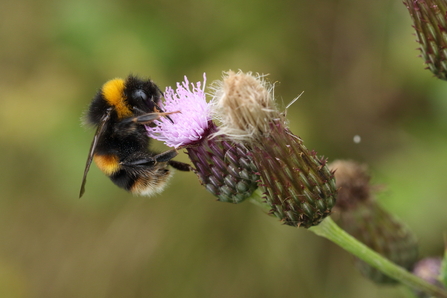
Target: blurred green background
357, 63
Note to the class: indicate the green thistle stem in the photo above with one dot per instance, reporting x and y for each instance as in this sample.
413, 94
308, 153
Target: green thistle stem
331, 231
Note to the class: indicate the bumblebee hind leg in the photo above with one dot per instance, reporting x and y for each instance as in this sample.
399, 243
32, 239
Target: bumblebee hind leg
168, 156
148, 160
144, 174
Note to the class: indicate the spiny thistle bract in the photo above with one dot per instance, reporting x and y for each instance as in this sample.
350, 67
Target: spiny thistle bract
430, 23
224, 167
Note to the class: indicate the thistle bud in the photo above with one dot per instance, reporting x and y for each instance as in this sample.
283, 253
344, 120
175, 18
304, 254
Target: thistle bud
297, 184
352, 180
363, 218
430, 23
222, 166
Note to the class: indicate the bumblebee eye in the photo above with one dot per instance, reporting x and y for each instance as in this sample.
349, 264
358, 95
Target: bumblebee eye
140, 94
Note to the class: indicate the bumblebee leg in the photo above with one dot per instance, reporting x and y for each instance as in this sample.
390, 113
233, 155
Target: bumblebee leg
160, 110
166, 156
151, 161
142, 175
181, 166
157, 110
148, 118
147, 160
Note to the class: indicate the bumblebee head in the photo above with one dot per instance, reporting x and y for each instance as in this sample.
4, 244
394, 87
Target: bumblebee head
127, 98
142, 94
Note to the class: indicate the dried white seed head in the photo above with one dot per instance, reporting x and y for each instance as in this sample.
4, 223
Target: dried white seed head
244, 104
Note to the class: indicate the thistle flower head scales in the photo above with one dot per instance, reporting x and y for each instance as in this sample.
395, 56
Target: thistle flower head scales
430, 23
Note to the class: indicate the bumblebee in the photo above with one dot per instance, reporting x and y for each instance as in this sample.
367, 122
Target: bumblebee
120, 148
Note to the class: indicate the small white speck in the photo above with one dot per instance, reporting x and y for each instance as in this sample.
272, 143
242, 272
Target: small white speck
357, 139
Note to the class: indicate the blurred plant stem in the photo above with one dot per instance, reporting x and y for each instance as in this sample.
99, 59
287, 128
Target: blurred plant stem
331, 231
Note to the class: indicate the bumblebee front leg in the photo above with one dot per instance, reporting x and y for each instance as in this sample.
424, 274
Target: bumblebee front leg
148, 118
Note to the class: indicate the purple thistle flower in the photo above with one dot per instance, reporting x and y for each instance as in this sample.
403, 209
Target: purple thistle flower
222, 166
188, 126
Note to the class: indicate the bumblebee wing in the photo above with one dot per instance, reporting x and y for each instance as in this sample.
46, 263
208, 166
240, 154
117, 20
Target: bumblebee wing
98, 134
